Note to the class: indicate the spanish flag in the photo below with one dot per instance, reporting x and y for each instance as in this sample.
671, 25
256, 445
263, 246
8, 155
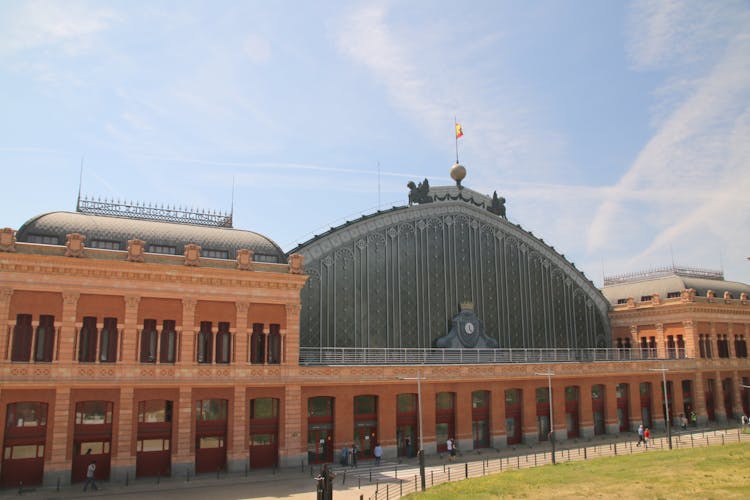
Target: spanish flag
459, 130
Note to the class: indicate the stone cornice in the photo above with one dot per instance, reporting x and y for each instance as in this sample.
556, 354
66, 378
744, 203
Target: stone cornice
52, 270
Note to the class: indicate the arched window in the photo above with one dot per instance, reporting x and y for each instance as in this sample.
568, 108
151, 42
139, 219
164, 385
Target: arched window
22, 333
168, 342
108, 347
258, 344
87, 341
45, 338
205, 337
274, 345
223, 343
148, 341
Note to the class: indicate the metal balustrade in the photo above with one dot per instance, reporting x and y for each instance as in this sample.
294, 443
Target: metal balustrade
414, 356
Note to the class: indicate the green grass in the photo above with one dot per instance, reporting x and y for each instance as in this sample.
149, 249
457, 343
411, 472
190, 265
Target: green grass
713, 472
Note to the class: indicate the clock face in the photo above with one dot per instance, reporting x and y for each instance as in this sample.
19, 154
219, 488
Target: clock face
469, 328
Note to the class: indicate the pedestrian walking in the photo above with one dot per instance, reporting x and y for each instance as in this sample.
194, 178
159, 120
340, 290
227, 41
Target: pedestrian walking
640, 435
90, 471
450, 446
353, 454
646, 436
378, 453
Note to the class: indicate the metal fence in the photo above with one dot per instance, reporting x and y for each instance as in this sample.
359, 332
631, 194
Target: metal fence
376, 356
390, 484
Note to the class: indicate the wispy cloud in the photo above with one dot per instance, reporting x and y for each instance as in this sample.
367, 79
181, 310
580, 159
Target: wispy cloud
67, 26
696, 150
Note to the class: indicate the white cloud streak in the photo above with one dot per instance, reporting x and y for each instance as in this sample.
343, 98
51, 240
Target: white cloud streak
695, 164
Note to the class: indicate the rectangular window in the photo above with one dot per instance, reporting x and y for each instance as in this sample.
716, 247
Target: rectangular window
43, 239
673, 295
94, 413
646, 298
622, 301
211, 410
27, 414
215, 254
264, 408
259, 257
163, 249
105, 245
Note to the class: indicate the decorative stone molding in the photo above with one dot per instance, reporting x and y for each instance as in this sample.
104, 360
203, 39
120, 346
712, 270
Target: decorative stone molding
189, 304
192, 254
727, 297
245, 259
74, 246
656, 299
631, 303
242, 307
5, 294
688, 295
743, 298
136, 250
710, 295
295, 263
70, 298
132, 301
7, 240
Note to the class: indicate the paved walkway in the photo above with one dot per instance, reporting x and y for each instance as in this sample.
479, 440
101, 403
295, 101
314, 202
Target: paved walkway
293, 484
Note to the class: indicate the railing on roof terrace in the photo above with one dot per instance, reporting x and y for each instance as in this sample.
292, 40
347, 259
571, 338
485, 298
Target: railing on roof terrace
377, 356
661, 272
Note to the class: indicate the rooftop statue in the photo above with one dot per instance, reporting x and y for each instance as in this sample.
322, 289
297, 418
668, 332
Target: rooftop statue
419, 193
497, 206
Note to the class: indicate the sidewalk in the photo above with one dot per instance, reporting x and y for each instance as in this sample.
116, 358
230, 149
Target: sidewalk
349, 483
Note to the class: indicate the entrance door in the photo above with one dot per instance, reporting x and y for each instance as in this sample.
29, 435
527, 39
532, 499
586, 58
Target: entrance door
320, 446
513, 421
263, 449
153, 457
210, 453
23, 446
406, 437
365, 436
85, 452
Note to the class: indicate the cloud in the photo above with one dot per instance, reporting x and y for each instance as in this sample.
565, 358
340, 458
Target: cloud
257, 48
67, 26
698, 149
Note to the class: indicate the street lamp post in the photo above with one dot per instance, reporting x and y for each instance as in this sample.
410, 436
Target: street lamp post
549, 374
666, 402
420, 453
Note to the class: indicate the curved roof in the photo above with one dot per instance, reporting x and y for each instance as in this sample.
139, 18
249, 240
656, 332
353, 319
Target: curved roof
121, 229
395, 279
673, 284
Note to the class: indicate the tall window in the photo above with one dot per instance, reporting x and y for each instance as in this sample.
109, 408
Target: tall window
258, 344
22, 333
45, 338
223, 343
87, 340
108, 347
274, 345
168, 342
148, 341
205, 337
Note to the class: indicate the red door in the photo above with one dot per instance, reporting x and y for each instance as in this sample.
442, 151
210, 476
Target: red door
263, 448
90, 450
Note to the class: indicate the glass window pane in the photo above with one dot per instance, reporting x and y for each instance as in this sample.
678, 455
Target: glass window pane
24, 451
407, 403
445, 401
152, 444
365, 405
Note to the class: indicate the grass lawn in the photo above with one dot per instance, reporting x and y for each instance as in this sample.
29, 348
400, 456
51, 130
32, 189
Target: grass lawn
712, 472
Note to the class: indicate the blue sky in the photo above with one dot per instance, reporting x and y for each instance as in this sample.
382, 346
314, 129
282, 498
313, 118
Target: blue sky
619, 132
